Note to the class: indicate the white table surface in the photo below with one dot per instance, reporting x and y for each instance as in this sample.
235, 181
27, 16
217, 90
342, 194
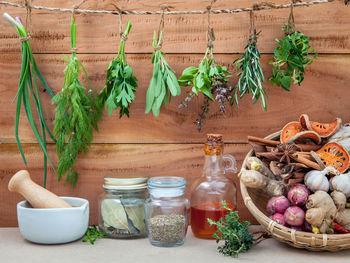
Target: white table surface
13, 248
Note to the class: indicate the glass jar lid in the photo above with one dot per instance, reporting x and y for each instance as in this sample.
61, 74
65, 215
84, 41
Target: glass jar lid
166, 182
125, 182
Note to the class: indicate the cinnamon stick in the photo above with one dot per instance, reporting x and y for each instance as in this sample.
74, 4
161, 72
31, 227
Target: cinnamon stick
267, 142
305, 161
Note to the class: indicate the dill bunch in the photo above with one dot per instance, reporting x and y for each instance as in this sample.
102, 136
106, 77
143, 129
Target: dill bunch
233, 232
77, 114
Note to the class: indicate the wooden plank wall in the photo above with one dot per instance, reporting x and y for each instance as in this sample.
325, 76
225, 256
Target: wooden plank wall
169, 144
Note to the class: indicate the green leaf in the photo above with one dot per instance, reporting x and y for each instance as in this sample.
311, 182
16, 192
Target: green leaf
190, 71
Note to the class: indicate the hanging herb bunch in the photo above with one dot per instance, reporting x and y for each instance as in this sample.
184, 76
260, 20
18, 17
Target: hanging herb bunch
28, 87
163, 84
121, 84
251, 75
208, 78
291, 56
77, 114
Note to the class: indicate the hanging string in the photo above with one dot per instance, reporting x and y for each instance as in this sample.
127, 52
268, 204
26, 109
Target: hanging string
210, 31
76, 6
175, 12
163, 7
252, 28
290, 24
28, 20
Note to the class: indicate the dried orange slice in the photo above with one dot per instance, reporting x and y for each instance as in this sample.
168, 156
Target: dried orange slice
293, 131
323, 129
333, 154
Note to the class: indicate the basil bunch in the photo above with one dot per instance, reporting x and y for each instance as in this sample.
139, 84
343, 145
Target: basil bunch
163, 80
120, 84
291, 57
209, 79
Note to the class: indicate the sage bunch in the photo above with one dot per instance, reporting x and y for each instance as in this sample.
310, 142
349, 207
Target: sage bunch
28, 87
120, 84
251, 75
77, 113
209, 79
291, 57
163, 84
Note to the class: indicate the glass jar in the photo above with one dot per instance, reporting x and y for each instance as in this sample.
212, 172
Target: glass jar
166, 211
121, 207
212, 188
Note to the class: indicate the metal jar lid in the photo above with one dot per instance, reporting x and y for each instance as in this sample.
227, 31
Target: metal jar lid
125, 181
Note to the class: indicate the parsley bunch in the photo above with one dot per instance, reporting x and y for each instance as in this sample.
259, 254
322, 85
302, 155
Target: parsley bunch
233, 232
77, 113
291, 57
251, 75
209, 79
121, 84
163, 80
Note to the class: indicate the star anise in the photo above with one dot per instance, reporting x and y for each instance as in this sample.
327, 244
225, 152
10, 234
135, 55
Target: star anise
290, 174
281, 153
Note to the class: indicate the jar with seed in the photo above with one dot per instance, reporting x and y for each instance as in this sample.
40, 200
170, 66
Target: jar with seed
166, 211
122, 206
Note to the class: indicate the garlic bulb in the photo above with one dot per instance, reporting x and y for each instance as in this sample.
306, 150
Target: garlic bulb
317, 180
341, 183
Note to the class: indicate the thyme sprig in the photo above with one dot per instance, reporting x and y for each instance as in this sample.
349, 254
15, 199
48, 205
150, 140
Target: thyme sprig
251, 75
208, 79
163, 84
120, 84
28, 87
92, 234
77, 113
291, 57
233, 232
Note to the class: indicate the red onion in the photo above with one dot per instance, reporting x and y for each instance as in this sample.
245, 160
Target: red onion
277, 204
298, 194
294, 216
279, 218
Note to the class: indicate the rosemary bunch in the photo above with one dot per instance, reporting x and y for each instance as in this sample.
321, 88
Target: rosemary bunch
77, 113
121, 84
291, 57
251, 75
208, 79
28, 87
163, 80
233, 232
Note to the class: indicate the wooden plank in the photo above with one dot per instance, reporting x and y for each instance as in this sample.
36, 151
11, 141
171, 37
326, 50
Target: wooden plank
184, 160
324, 94
326, 24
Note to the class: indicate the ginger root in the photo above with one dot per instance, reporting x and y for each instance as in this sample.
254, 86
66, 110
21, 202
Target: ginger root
255, 179
256, 164
342, 217
320, 211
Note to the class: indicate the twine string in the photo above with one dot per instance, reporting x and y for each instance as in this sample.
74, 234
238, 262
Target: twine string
175, 12
28, 19
160, 31
290, 24
210, 30
75, 7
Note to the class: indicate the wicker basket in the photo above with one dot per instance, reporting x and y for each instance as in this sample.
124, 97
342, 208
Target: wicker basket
256, 200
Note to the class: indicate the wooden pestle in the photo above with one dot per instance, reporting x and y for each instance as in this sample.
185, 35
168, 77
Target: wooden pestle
36, 195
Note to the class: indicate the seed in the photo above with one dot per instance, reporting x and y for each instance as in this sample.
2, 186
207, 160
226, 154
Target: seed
167, 228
